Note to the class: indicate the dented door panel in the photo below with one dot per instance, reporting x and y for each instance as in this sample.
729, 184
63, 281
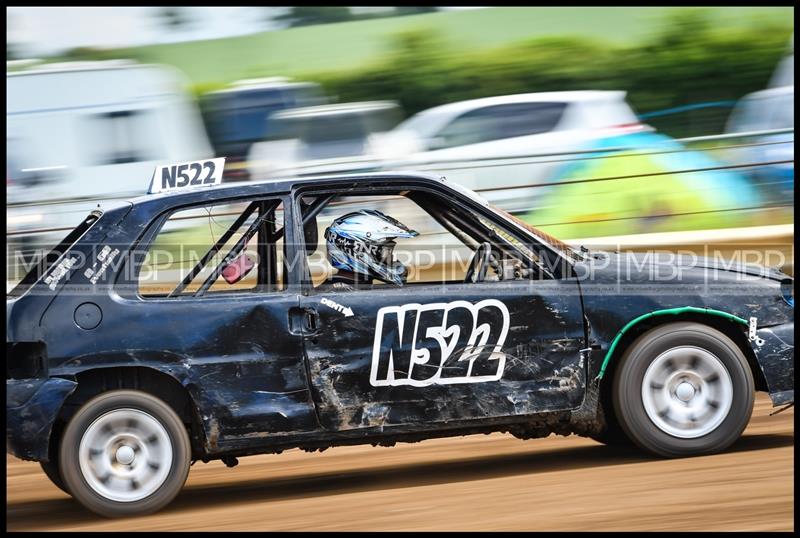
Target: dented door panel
234, 353
430, 353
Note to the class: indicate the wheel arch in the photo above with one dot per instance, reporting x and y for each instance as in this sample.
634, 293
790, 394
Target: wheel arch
728, 324
94, 381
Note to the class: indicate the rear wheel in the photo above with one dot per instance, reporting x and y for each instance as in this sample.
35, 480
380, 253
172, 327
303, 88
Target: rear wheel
124, 453
683, 389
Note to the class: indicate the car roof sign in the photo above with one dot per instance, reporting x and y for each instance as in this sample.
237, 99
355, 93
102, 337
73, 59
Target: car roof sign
187, 175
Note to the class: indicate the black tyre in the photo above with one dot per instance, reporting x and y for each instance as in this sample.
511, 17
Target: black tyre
683, 389
612, 435
125, 453
53, 472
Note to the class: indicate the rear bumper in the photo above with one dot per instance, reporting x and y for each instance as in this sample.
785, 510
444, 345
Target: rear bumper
32, 406
776, 359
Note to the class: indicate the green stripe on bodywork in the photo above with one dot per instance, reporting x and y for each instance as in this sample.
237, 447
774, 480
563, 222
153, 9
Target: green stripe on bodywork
680, 310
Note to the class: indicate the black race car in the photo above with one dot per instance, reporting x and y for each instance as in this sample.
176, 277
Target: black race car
195, 324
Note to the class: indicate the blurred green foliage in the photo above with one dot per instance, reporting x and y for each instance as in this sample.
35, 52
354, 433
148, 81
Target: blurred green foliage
693, 58
689, 61
356, 45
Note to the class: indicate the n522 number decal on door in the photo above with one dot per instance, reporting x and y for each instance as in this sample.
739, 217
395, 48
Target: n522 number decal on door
439, 343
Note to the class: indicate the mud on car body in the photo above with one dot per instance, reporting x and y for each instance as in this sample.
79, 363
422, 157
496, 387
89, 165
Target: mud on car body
116, 389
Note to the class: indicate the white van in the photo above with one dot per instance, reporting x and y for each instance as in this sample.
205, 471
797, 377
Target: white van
78, 133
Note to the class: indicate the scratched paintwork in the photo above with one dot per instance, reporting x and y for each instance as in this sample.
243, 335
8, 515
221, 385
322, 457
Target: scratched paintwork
612, 296
259, 385
31, 409
543, 369
776, 360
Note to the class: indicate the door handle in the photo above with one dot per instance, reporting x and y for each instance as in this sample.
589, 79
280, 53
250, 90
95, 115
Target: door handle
311, 321
303, 321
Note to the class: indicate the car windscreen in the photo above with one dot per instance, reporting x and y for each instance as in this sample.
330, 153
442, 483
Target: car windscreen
548, 239
41, 266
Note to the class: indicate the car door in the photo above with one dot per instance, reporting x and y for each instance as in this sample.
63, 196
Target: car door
442, 352
231, 342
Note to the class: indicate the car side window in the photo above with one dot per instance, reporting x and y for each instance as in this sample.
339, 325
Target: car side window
525, 119
440, 246
212, 249
499, 122
434, 255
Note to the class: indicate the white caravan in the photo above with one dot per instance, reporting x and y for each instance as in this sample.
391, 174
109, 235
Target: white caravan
78, 133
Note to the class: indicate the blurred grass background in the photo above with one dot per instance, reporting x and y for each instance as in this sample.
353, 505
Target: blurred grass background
664, 57
350, 45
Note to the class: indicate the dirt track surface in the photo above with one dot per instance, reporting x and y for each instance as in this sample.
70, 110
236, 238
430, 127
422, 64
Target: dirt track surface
479, 482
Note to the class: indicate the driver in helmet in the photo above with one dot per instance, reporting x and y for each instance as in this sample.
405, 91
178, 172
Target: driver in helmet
360, 246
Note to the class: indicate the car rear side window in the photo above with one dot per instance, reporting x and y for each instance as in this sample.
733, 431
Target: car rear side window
42, 265
499, 122
222, 248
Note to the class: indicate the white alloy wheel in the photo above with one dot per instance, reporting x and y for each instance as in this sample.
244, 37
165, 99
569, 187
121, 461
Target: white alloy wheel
687, 392
125, 452
125, 455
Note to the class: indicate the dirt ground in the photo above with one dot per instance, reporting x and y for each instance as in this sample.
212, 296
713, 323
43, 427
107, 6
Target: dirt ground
479, 482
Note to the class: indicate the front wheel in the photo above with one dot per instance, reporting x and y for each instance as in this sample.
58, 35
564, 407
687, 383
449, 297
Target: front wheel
53, 472
683, 389
125, 453
612, 434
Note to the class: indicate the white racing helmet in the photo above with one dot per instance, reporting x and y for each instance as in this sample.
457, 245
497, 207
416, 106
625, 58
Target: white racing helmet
363, 242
